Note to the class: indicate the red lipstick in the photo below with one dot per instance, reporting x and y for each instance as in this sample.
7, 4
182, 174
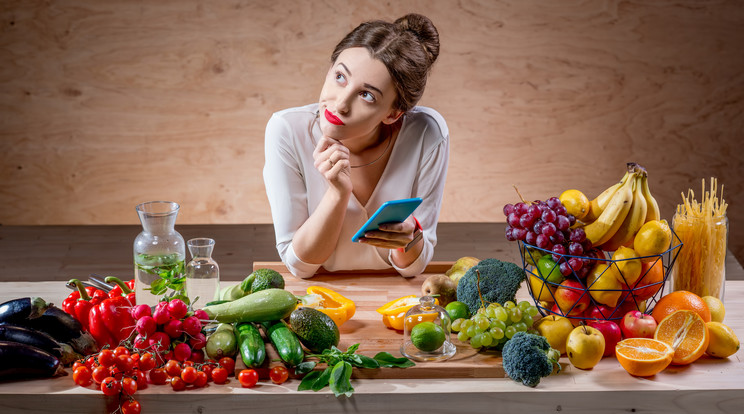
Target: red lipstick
333, 118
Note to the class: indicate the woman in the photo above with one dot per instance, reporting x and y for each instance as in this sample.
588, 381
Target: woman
330, 165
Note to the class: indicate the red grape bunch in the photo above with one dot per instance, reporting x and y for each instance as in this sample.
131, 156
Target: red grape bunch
548, 226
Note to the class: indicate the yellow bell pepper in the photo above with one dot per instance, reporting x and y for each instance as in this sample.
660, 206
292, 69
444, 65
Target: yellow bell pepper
394, 312
332, 303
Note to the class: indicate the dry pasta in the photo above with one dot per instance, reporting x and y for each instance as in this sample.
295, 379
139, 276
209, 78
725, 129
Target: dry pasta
702, 227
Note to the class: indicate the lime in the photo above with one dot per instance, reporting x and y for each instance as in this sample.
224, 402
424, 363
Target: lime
549, 270
427, 336
457, 310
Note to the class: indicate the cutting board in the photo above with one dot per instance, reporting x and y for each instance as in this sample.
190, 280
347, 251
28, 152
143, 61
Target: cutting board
371, 289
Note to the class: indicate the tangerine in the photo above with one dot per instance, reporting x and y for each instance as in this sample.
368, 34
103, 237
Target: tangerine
576, 203
686, 332
643, 357
652, 276
680, 300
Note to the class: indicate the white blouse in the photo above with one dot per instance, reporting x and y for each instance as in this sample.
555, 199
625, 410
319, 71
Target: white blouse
417, 168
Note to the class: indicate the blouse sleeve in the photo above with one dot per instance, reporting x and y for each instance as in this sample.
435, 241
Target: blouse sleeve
429, 185
287, 193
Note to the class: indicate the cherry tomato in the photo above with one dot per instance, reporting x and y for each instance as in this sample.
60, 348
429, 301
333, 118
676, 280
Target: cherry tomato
99, 374
248, 378
79, 363
146, 362
125, 363
141, 379
131, 407
116, 372
91, 363
188, 363
158, 376
173, 368
82, 376
135, 357
278, 374
229, 365
128, 385
219, 375
201, 379
106, 357
178, 384
120, 350
207, 369
188, 375
110, 386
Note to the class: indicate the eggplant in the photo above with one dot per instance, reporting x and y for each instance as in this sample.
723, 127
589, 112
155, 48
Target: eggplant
41, 340
63, 328
17, 310
21, 360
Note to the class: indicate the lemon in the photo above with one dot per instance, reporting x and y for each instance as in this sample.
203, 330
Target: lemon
717, 311
723, 341
457, 310
427, 336
603, 285
575, 202
652, 239
626, 266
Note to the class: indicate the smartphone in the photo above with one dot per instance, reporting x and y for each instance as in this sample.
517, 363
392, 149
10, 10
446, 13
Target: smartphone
394, 211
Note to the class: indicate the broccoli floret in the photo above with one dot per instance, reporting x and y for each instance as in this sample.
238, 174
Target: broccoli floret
528, 357
491, 279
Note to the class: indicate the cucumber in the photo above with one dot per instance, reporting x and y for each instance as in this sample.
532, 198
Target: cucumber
285, 342
251, 344
266, 305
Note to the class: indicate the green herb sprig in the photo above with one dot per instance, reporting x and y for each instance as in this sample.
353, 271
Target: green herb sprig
337, 374
170, 270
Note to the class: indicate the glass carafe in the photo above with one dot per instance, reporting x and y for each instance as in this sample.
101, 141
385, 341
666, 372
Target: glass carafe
202, 273
159, 253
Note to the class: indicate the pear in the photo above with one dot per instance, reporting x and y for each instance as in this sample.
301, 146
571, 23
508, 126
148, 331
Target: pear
460, 267
440, 285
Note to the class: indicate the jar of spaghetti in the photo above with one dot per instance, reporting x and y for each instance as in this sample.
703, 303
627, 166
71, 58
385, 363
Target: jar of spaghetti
702, 227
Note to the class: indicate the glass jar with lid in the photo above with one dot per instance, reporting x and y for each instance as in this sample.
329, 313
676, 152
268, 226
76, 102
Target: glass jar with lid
426, 332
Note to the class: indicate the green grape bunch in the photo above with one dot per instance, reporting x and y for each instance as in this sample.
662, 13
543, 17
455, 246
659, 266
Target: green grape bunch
494, 325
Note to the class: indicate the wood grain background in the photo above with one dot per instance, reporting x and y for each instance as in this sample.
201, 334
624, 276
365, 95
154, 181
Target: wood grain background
107, 104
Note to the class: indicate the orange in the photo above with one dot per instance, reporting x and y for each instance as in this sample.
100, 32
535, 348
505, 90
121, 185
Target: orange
680, 300
686, 332
652, 275
643, 357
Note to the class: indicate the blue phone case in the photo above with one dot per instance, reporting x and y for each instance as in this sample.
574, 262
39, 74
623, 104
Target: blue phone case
394, 211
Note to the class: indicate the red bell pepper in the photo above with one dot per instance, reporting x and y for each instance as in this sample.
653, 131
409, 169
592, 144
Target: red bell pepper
122, 289
79, 302
111, 321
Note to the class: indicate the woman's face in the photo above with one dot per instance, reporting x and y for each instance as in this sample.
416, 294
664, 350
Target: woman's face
357, 95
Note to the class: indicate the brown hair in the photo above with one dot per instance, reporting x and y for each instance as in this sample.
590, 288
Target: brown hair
408, 48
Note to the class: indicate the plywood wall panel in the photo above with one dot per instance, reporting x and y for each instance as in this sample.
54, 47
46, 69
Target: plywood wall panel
107, 104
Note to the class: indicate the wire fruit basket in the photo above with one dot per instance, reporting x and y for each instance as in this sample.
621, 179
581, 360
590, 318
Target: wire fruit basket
577, 297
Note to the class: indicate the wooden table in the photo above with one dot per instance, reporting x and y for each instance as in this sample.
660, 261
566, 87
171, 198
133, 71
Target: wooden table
708, 385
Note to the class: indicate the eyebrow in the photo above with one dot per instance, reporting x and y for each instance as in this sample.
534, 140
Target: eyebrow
366, 85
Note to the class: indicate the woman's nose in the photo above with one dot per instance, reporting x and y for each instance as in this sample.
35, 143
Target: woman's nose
343, 103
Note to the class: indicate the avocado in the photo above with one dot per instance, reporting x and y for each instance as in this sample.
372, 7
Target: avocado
266, 279
315, 329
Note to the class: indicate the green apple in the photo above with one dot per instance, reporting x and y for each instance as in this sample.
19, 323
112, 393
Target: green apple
460, 267
556, 330
585, 347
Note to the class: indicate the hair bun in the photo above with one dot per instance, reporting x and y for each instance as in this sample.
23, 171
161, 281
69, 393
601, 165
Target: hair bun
423, 29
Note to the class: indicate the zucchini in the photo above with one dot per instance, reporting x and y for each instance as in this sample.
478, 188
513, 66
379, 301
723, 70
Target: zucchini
263, 306
222, 343
251, 344
285, 342
216, 302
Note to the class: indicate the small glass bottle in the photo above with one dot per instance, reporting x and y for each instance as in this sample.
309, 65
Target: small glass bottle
426, 332
202, 273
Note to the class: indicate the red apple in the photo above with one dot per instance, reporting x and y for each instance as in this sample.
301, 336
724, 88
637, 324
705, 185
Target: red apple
575, 317
636, 324
611, 332
571, 297
599, 311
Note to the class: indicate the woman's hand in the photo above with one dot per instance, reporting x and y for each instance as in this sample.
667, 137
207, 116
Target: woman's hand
332, 160
391, 235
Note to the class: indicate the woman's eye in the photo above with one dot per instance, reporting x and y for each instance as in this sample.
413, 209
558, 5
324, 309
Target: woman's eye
340, 78
367, 96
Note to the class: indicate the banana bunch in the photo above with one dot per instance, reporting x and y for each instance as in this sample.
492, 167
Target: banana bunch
616, 214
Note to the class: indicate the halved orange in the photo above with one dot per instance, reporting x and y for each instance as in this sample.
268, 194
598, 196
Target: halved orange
643, 357
685, 331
